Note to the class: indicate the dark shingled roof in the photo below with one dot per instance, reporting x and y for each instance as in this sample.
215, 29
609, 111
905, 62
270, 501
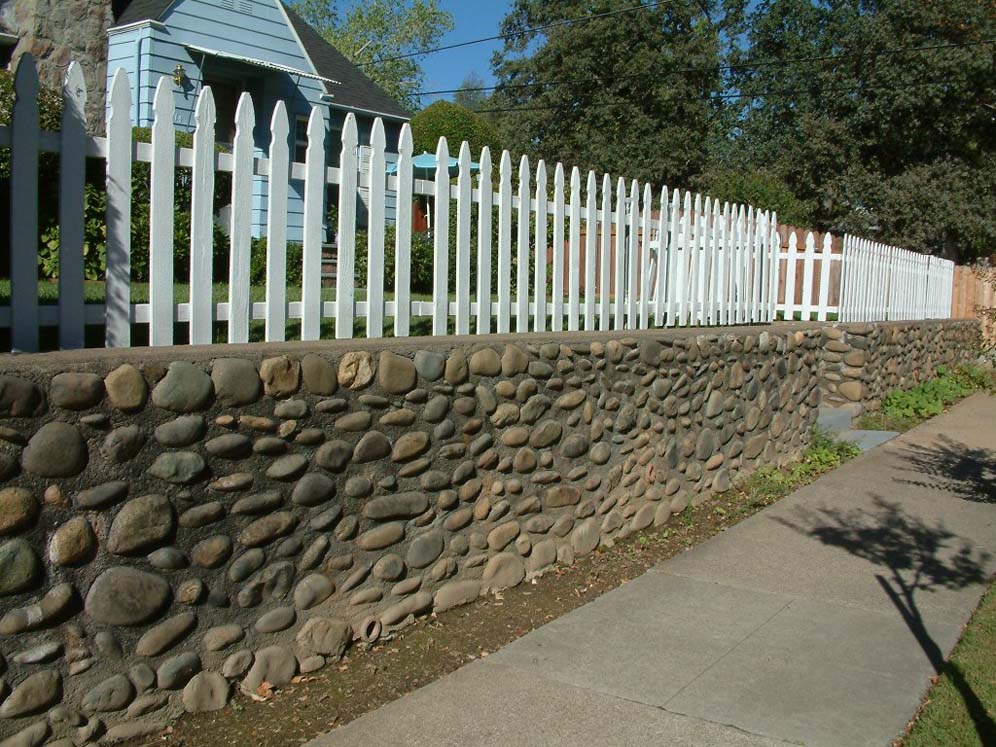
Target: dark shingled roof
356, 90
140, 10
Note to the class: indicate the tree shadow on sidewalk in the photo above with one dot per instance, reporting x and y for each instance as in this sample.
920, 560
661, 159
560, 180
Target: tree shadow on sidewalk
952, 466
914, 558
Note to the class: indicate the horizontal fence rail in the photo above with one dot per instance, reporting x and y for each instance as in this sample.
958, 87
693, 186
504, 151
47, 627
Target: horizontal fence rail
572, 251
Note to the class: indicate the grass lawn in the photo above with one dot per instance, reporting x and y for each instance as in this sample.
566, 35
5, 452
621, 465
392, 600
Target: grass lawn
970, 674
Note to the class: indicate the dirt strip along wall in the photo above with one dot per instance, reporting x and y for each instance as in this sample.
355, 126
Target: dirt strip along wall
180, 524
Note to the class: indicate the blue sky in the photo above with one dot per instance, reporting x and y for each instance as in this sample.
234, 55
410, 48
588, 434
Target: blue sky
473, 19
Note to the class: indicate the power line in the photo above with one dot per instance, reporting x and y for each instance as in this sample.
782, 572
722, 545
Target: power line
722, 66
513, 34
716, 97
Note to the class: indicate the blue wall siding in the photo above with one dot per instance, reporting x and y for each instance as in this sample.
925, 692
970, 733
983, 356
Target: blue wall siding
148, 53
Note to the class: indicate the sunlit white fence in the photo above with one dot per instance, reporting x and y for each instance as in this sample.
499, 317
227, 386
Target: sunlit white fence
572, 252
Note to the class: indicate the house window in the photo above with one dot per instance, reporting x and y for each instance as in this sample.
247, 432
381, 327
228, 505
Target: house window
300, 139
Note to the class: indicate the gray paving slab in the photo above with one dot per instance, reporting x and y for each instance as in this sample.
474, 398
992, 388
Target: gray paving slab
487, 704
818, 621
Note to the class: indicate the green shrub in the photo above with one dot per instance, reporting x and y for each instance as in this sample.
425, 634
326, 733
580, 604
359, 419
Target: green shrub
257, 263
456, 124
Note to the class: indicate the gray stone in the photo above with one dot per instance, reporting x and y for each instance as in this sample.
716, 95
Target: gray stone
334, 455
853, 390
20, 567
312, 590
325, 636
485, 362
574, 446
178, 467
381, 536
55, 450
185, 388
75, 391
395, 373
356, 370
277, 619
373, 446
291, 409
33, 736
40, 614
20, 398
237, 664
212, 552
714, 405
18, 510
229, 446
281, 376
73, 543
396, 506
126, 388
222, 636
176, 671
429, 365
456, 370
313, 489
585, 537
503, 571
600, 453
501, 535
258, 503
571, 400
113, 694
507, 413
705, 444
181, 431
268, 528
435, 409
168, 559
123, 443
558, 496
388, 567
755, 445
141, 524
37, 692
205, 692
236, 382
425, 548
274, 664
287, 467
456, 593
318, 375
358, 486
354, 421
126, 596
546, 434
409, 446
513, 361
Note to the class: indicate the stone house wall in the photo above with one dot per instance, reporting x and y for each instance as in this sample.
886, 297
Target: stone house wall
180, 524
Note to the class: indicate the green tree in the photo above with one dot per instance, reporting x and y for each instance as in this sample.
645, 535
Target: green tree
880, 115
610, 92
456, 124
375, 33
472, 95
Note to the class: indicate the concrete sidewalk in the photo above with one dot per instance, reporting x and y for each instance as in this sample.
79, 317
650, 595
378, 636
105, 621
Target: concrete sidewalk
818, 621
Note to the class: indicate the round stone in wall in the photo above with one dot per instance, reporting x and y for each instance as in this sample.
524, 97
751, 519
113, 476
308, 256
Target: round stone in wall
485, 362
503, 571
318, 375
76, 391
20, 567
236, 382
429, 364
274, 664
20, 398
56, 450
356, 369
374, 445
73, 543
184, 388
395, 373
178, 467
18, 510
113, 694
281, 376
206, 691
35, 693
126, 596
126, 388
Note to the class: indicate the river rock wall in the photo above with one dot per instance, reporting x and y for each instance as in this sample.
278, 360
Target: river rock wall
173, 531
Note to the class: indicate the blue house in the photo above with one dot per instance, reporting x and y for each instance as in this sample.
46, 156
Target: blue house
257, 46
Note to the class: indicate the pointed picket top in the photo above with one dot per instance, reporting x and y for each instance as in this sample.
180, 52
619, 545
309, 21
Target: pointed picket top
662, 252
505, 242
403, 235
484, 164
26, 83
440, 251
505, 163
619, 286
202, 220
557, 302
276, 225
539, 261
120, 98
484, 219
162, 100
605, 255
574, 256
74, 90
541, 172
345, 307
645, 258
465, 189
72, 166
117, 290
591, 237
161, 215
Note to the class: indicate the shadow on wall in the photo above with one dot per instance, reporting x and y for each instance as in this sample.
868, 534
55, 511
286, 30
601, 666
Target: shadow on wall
913, 558
954, 467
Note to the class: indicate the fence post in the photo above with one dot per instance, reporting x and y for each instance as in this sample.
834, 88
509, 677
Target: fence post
464, 196
557, 305
440, 241
605, 256
522, 250
161, 212
574, 247
643, 282
590, 239
403, 236
72, 183
345, 306
276, 226
620, 279
202, 222
241, 225
24, 208
375, 232
505, 243
825, 260
484, 217
539, 283
117, 289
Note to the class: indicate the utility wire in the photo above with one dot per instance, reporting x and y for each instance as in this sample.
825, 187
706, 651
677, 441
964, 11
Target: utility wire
710, 68
513, 34
717, 97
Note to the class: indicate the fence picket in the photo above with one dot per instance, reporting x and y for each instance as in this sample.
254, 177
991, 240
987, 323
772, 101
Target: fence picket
24, 208
684, 253
375, 232
202, 223
345, 306
440, 241
705, 257
620, 278
673, 257
774, 261
722, 266
793, 246
760, 239
505, 243
72, 163
539, 255
464, 195
161, 217
557, 306
574, 249
824, 302
117, 288
484, 217
659, 286
522, 250
403, 236
590, 238
605, 256
645, 256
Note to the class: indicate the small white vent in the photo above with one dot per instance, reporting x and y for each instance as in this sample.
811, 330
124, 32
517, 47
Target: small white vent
238, 6
228, 4
246, 6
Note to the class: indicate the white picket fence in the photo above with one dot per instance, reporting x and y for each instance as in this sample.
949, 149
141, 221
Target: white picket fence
647, 258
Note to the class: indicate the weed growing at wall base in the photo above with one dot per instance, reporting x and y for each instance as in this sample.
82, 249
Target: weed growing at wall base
904, 409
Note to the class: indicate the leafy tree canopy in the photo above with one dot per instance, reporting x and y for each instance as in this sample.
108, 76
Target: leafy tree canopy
456, 124
374, 31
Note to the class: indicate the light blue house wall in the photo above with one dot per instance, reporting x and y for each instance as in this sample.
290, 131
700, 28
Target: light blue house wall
254, 29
